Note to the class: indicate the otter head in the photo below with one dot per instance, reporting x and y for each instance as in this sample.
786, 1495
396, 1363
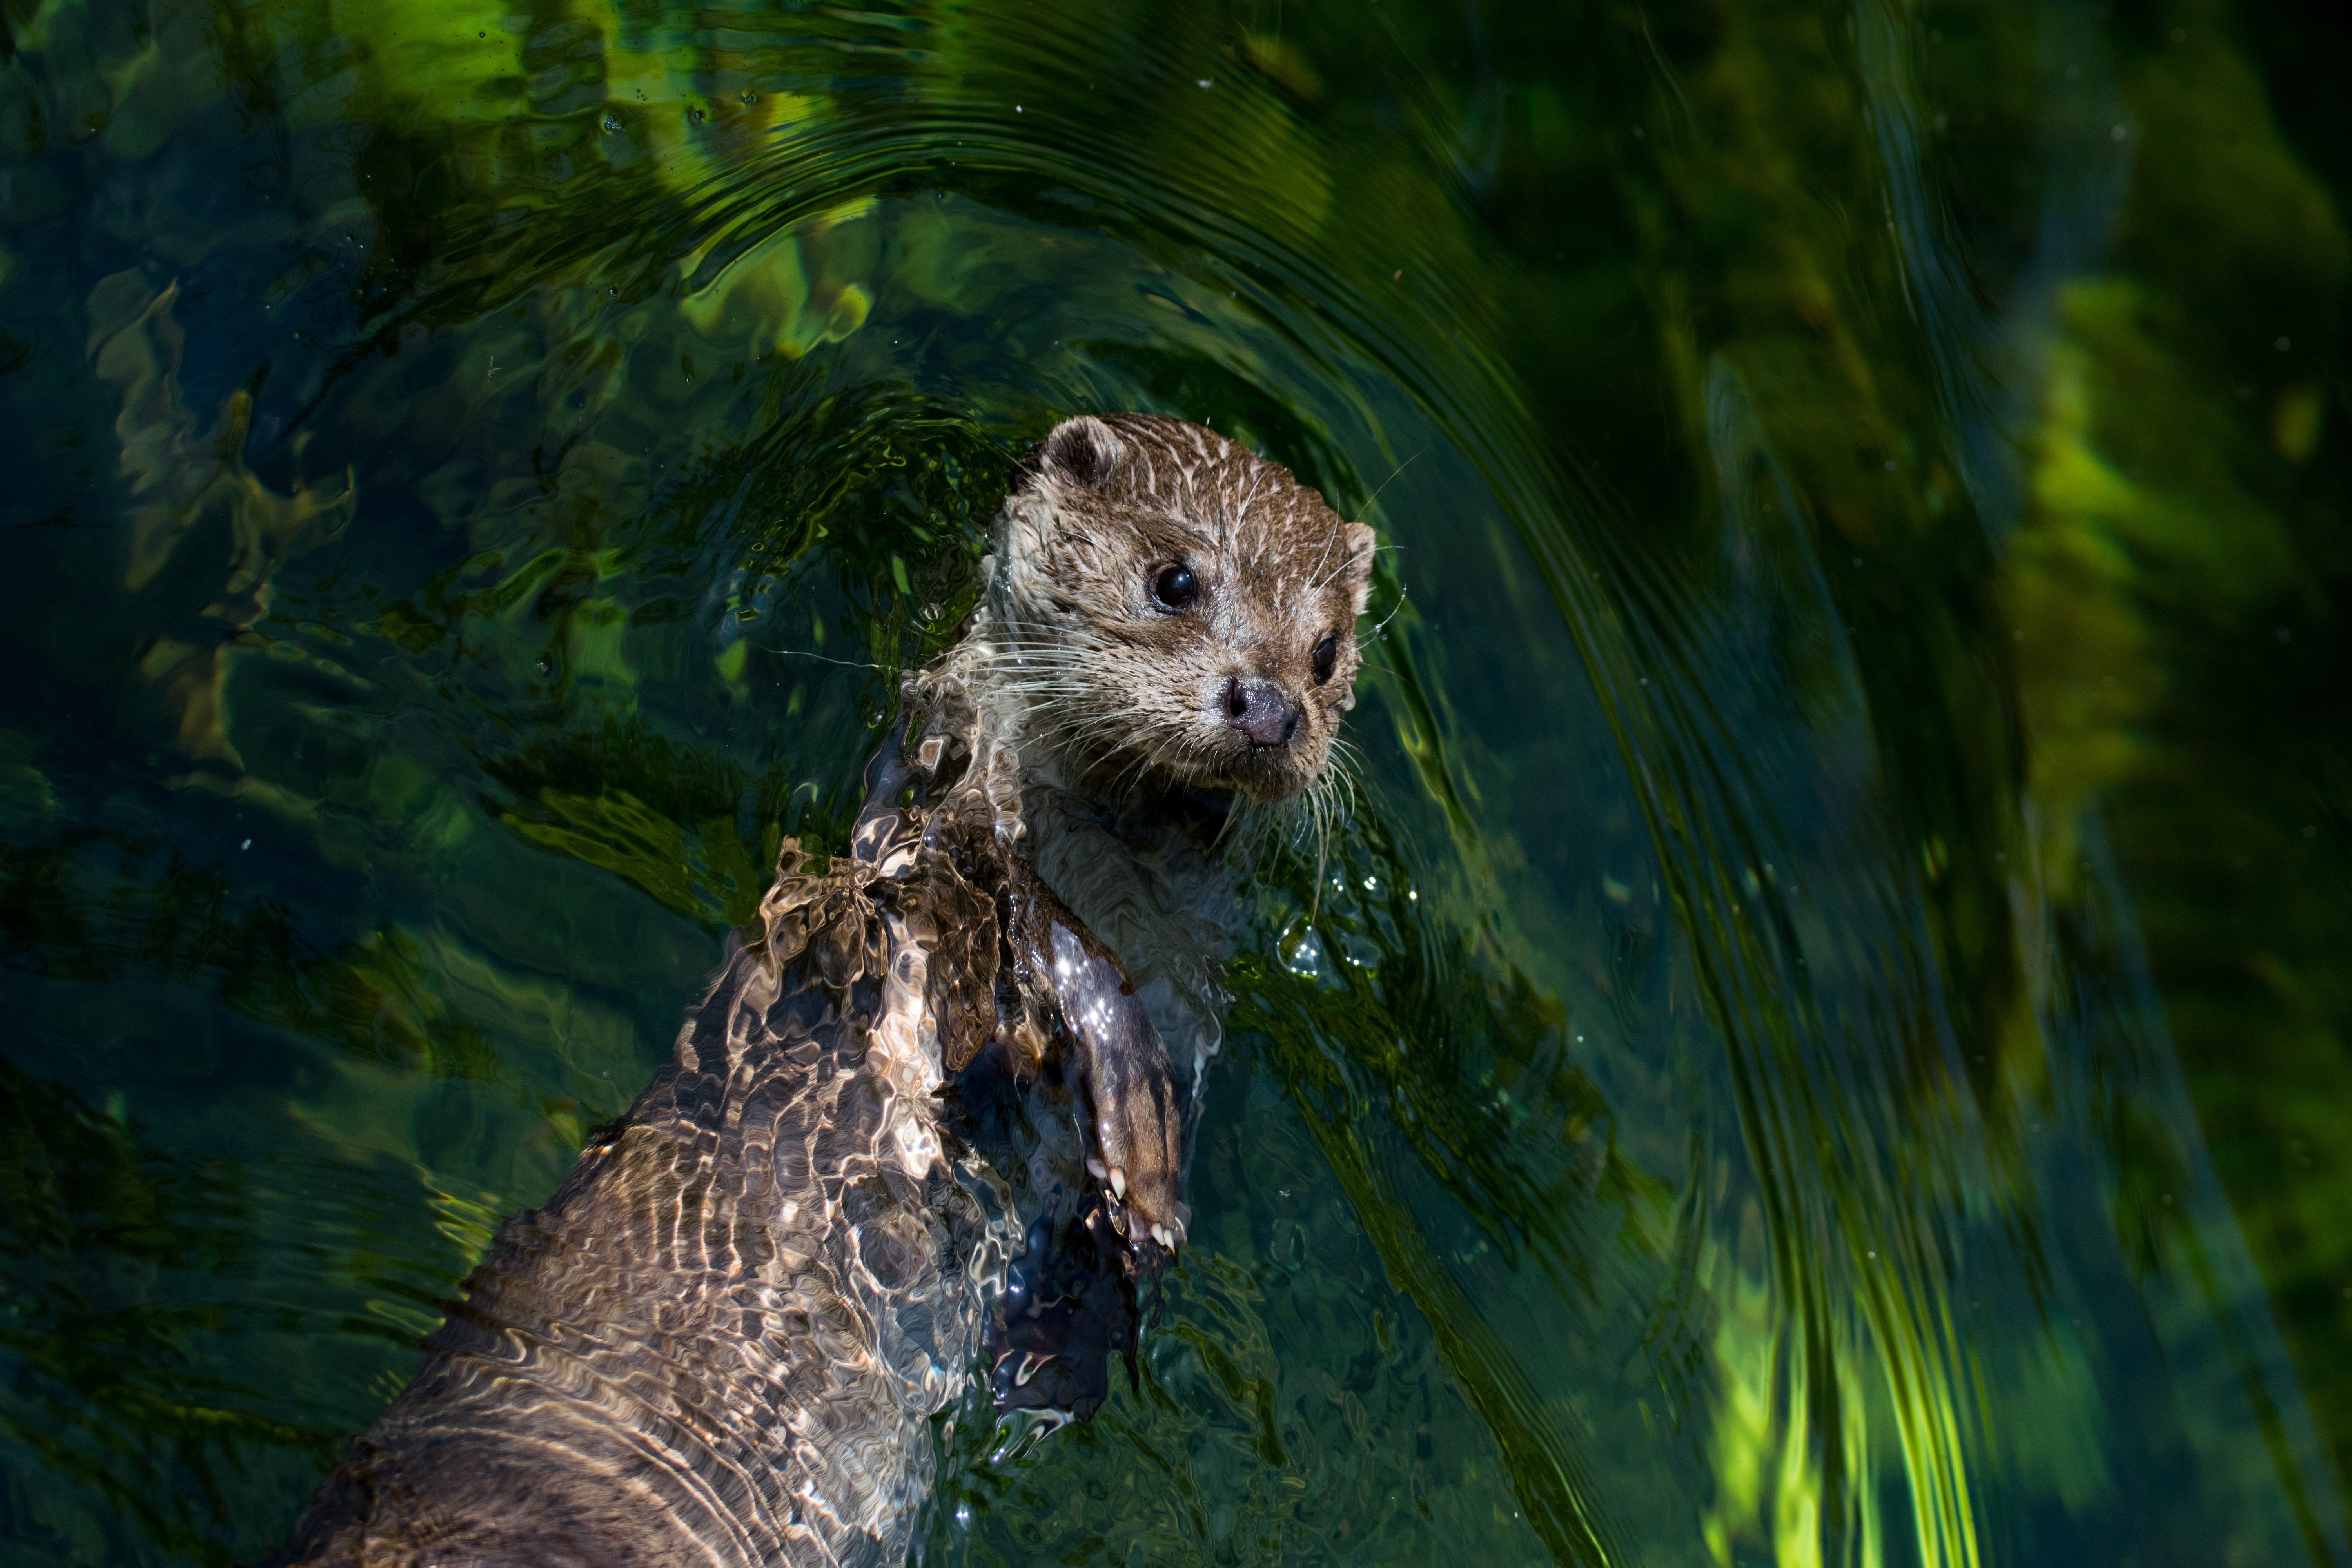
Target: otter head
1179, 607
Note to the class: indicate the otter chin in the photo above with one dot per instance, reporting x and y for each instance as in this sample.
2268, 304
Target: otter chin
1177, 610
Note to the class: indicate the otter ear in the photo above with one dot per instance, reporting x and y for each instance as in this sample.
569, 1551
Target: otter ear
1361, 540
1081, 451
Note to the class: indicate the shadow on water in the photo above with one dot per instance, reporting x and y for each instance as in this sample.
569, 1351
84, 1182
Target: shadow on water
1825, 1039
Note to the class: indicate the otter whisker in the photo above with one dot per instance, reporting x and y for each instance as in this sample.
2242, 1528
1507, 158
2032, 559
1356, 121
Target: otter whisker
1385, 483
1395, 610
824, 659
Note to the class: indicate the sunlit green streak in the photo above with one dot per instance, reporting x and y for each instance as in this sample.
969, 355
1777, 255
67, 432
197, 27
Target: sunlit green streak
1786, 1121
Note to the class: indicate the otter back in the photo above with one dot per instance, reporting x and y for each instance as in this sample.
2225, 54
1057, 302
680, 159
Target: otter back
723, 1339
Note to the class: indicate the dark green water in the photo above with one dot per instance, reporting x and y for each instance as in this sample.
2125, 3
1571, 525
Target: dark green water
1826, 1039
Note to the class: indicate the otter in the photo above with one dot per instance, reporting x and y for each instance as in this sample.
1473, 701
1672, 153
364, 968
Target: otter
723, 1340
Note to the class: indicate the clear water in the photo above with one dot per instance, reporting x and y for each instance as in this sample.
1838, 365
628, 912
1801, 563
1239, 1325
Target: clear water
1827, 1039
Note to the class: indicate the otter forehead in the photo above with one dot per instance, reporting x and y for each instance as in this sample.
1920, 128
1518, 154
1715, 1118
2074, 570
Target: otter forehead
1215, 494
1106, 490
1194, 603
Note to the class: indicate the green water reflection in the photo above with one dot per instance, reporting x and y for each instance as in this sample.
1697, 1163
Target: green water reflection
1826, 1039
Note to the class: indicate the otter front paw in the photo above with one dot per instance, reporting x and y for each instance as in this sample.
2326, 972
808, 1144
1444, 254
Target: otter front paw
1136, 1107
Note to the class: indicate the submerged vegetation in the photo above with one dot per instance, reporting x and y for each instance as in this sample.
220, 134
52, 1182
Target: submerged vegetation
1825, 1042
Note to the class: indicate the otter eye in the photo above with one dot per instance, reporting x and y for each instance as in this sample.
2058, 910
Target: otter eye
1327, 654
1174, 587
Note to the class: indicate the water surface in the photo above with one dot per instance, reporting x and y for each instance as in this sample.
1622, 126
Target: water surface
1825, 1039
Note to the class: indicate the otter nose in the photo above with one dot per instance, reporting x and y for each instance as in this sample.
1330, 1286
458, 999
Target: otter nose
1262, 710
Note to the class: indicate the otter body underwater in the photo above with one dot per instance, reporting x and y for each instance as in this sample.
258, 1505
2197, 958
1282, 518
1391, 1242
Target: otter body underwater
723, 1340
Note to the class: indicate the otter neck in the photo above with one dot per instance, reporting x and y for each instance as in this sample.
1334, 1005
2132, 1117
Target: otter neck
1138, 863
